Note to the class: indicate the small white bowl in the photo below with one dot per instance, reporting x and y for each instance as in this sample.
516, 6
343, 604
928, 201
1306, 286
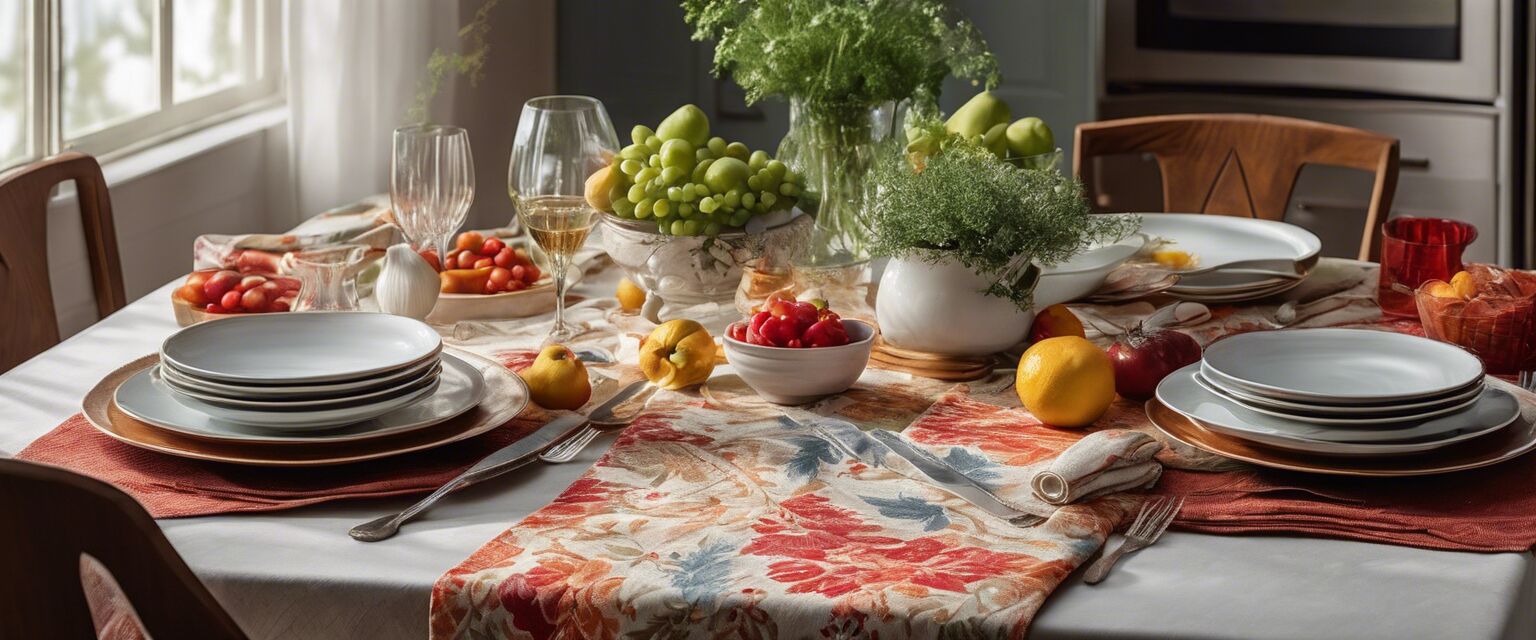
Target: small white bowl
797, 376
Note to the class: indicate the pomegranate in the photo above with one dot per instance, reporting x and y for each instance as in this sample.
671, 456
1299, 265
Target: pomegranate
1143, 357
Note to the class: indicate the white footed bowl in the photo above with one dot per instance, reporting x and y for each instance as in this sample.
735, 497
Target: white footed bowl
797, 376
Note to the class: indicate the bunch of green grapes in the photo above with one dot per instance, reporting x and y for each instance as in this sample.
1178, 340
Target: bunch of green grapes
694, 188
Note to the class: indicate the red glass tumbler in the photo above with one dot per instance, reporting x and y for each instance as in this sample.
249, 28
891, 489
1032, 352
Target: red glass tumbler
1415, 251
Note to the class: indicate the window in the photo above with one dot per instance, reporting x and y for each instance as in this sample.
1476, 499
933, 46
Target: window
109, 76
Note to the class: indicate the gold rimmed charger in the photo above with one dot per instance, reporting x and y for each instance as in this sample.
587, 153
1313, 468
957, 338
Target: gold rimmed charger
1506, 444
506, 396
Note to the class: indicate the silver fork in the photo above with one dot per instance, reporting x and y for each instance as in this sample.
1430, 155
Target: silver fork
567, 451
1154, 518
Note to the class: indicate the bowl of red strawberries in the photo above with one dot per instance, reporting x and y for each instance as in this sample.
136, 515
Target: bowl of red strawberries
796, 351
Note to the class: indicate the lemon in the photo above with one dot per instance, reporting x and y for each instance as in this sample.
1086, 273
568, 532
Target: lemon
1173, 258
1066, 381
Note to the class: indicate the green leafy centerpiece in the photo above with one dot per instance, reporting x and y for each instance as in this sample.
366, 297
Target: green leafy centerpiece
967, 232
848, 68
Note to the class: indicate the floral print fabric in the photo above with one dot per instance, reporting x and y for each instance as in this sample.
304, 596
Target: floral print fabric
703, 522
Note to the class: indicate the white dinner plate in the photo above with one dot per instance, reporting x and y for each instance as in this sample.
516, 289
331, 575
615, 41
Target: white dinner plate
1339, 410
1217, 239
1340, 366
1382, 416
1084, 273
1179, 392
354, 399
300, 348
1236, 296
459, 389
297, 392
302, 419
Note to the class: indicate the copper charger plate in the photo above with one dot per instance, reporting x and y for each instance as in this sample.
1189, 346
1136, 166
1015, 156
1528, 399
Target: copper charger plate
506, 396
1505, 444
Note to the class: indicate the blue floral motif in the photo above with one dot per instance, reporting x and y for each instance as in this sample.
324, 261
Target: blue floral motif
911, 508
705, 573
977, 467
812, 451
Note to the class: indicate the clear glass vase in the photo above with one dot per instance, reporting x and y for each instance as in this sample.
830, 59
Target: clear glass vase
836, 155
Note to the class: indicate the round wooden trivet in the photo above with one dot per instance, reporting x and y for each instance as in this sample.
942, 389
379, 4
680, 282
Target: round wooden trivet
931, 365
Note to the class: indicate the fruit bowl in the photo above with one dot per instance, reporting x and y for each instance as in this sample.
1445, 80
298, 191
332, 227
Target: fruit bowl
789, 376
690, 270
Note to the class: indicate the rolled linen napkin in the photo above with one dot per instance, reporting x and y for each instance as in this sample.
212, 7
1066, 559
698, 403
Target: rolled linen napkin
1102, 462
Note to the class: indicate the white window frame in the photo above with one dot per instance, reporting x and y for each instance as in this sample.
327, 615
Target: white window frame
263, 27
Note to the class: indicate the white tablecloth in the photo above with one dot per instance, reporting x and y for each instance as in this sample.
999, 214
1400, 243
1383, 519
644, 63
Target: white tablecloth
296, 574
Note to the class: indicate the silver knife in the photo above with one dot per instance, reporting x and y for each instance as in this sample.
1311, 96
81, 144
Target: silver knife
953, 481
509, 458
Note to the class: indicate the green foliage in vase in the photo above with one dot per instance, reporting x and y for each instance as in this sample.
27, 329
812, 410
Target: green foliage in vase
469, 63
841, 57
960, 201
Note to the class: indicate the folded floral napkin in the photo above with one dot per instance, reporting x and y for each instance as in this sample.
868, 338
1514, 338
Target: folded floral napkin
172, 487
368, 222
1102, 462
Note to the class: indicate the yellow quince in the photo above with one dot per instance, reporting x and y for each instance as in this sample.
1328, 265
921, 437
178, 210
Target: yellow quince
679, 353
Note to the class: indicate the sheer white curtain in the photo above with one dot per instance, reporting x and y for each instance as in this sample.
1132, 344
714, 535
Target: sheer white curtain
354, 67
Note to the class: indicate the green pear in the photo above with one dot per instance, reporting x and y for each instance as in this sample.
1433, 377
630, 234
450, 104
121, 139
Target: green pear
978, 115
687, 123
1030, 137
996, 140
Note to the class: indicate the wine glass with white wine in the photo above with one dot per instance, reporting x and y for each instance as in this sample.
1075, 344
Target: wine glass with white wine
560, 141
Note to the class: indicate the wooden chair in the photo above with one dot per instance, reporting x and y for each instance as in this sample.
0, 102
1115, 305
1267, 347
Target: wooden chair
57, 524
26, 299
1243, 164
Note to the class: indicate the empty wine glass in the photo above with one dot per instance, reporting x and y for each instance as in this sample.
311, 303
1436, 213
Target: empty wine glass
431, 183
560, 141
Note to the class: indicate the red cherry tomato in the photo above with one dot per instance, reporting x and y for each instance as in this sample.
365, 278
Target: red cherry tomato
451, 263
501, 276
230, 300
219, 283
430, 255
469, 240
248, 282
197, 278
254, 300
492, 246
737, 331
519, 273
193, 294
213, 308
826, 333
280, 304
505, 258
467, 258
533, 274
484, 262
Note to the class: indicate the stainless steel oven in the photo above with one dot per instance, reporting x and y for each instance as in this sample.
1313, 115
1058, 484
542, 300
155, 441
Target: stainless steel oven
1446, 49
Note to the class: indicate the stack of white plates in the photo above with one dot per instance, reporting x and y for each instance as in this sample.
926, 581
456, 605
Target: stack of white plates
1340, 392
1216, 240
301, 372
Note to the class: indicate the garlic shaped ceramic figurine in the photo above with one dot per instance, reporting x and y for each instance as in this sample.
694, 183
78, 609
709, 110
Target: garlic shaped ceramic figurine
407, 286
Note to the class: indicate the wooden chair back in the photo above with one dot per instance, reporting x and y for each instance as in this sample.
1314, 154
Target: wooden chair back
55, 523
26, 298
1243, 164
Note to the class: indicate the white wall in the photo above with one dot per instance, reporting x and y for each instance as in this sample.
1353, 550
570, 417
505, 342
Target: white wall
225, 189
